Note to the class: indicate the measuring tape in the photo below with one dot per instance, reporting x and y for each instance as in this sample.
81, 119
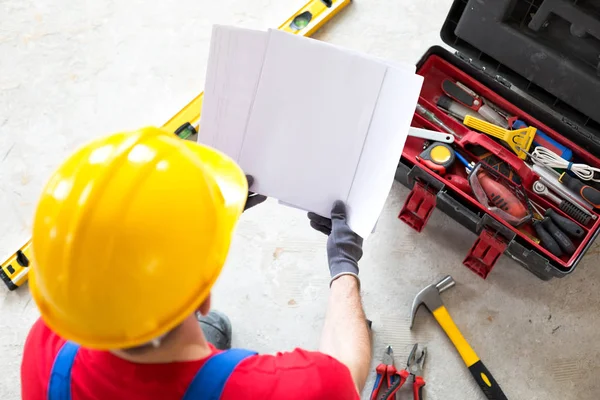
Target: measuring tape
437, 157
304, 22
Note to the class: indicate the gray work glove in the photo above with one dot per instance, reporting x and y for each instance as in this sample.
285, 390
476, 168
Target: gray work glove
344, 247
253, 198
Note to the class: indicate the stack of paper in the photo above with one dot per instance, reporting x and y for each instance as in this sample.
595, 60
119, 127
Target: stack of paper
312, 122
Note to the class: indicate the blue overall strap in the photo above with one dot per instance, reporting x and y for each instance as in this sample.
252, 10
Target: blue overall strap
59, 387
209, 382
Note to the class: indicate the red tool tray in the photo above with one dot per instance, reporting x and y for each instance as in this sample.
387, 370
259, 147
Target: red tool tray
518, 96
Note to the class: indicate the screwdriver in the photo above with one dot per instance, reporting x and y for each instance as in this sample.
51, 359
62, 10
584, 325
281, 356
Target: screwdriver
545, 227
561, 238
588, 193
547, 241
431, 117
565, 224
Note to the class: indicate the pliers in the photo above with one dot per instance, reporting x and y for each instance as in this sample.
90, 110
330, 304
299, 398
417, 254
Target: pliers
415, 367
386, 371
395, 379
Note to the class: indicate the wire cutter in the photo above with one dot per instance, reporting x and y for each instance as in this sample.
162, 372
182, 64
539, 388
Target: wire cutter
386, 371
415, 367
395, 379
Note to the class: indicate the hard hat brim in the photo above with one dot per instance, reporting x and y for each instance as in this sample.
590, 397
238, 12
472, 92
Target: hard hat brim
229, 177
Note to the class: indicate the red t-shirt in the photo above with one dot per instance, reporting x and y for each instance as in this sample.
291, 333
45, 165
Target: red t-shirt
100, 375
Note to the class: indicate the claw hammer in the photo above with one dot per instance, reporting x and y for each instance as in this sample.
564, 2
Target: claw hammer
430, 298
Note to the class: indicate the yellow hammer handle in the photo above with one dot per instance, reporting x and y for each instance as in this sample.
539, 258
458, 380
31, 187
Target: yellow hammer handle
464, 349
480, 373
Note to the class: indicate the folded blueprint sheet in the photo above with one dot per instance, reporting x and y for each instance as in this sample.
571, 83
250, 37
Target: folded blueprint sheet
312, 122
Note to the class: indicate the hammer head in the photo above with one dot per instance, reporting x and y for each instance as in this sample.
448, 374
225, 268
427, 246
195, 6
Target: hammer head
430, 297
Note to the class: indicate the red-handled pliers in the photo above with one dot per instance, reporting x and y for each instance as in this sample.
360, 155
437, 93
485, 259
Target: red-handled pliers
415, 366
386, 372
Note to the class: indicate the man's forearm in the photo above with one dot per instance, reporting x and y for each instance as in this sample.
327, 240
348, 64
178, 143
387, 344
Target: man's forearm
345, 334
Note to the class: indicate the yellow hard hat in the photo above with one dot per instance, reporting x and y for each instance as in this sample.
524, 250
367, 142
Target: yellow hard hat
130, 234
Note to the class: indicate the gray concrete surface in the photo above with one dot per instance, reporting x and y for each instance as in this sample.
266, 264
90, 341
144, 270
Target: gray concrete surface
70, 71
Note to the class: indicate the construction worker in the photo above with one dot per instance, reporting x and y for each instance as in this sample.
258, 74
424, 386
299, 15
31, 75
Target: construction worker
122, 268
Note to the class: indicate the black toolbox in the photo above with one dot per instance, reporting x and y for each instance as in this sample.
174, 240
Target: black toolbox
538, 60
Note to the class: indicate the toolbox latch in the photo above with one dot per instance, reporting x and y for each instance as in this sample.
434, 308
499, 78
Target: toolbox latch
418, 206
484, 254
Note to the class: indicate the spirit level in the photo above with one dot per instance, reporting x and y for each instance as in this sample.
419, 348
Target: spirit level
13, 271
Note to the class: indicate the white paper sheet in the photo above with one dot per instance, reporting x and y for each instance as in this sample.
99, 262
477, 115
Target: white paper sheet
313, 132
236, 58
383, 147
312, 122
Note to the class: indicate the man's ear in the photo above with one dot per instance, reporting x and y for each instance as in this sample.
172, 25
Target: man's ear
205, 306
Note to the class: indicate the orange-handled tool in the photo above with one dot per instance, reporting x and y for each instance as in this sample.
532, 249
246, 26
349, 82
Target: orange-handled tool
588, 193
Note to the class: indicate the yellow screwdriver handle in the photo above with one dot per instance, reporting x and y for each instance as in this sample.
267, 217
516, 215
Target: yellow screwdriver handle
480, 373
519, 140
486, 127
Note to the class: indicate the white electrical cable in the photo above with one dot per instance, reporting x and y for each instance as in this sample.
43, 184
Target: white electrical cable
544, 156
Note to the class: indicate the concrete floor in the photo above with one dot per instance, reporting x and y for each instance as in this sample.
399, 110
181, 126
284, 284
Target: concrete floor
70, 71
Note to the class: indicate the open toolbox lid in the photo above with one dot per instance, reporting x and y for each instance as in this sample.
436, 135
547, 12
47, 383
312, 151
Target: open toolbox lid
546, 52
